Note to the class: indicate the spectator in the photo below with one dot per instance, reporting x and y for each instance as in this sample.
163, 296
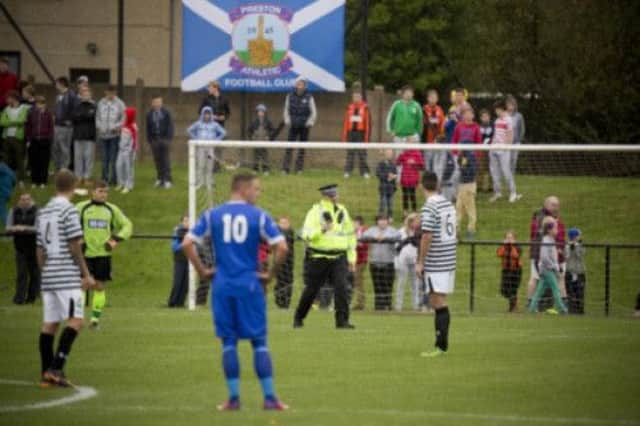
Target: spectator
499, 161
28, 95
82, 81
219, 104
575, 276
127, 149
206, 129
548, 268
459, 101
109, 121
7, 183
550, 208
362, 258
357, 129
284, 280
8, 81
63, 130
300, 115
486, 130
261, 129
13, 120
84, 135
180, 286
386, 172
404, 120
450, 124
160, 132
466, 130
39, 134
433, 118
518, 129
21, 224
467, 190
405, 262
381, 260
410, 163
511, 255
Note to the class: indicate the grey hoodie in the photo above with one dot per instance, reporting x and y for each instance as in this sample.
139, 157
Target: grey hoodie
109, 117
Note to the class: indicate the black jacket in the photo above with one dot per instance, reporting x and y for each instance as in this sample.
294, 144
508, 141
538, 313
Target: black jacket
269, 130
161, 130
84, 120
219, 105
382, 172
24, 242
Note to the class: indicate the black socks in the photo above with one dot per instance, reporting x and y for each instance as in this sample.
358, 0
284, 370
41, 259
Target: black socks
46, 351
442, 320
64, 347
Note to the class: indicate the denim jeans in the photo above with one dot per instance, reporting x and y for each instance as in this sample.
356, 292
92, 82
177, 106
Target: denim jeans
109, 157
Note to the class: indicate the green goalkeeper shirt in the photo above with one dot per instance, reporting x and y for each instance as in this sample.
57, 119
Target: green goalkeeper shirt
102, 222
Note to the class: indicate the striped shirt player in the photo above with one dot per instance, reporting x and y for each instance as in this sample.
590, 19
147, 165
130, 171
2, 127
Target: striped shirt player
60, 258
436, 263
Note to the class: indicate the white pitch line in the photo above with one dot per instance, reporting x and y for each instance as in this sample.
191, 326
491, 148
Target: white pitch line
81, 393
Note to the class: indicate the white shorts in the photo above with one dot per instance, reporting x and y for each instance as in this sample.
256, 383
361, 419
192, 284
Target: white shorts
440, 282
61, 305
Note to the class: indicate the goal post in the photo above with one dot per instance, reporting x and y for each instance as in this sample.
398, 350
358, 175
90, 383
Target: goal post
597, 185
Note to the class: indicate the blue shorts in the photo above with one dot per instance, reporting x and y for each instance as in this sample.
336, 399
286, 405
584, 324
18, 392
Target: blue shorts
239, 311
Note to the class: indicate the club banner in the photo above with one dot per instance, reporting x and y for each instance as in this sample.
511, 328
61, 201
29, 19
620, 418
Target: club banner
263, 47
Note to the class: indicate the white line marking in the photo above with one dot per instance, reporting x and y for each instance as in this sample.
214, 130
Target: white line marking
209, 72
307, 15
314, 73
81, 393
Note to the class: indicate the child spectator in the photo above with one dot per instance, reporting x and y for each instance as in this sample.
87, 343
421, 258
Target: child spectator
381, 260
160, 130
411, 164
575, 276
180, 286
433, 124
13, 120
362, 258
127, 151
7, 183
21, 224
84, 134
405, 262
467, 130
450, 124
261, 129
466, 198
110, 118
519, 129
206, 129
356, 129
548, 268
284, 280
39, 135
486, 130
510, 253
499, 161
387, 175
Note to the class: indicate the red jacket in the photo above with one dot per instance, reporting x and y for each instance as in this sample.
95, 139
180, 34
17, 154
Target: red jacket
412, 164
536, 234
39, 125
467, 132
357, 118
433, 119
362, 249
8, 82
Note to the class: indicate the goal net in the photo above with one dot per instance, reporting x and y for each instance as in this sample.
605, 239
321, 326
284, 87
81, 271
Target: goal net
592, 190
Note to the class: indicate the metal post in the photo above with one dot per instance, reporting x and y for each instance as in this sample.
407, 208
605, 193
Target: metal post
607, 279
120, 48
193, 275
472, 278
172, 28
364, 47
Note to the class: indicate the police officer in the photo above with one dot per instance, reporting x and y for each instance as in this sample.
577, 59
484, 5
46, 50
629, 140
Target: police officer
331, 244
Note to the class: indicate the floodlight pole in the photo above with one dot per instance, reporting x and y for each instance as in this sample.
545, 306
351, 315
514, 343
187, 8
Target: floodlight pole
120, 70
364, 47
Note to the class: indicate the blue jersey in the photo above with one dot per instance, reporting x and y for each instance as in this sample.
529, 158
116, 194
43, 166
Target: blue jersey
236, 229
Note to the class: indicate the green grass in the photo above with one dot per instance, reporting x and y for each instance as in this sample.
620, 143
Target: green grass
153, 366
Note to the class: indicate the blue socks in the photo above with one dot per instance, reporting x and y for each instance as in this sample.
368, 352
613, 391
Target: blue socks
231, 367
261, 363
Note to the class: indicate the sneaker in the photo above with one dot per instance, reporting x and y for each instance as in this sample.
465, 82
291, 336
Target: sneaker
275, 405
158, 184
297, 323
57, 378
94, 325
45, 383
495, 198
230, 405
366, 176
33, 186
345, 326
125, 191
43, 186
636, 314
552, 311
514, 197
118, 188
315, 306
433, 354
265, 174
346, 175
168, 185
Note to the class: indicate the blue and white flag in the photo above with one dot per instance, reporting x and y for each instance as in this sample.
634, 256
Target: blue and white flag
263, 46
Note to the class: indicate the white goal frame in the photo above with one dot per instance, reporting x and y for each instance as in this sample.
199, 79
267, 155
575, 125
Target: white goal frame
332, 145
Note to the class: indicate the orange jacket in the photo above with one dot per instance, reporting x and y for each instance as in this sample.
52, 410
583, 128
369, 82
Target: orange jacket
510, 254
357, 118
433, 119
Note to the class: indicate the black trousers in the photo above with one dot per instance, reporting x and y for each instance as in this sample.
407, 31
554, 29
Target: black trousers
361, 154
39, 157
284, 286
510, 282
318, 272
27, 279
295, 133
180, 286
261, 160
409, 199
382, 275
575, 292
161, 149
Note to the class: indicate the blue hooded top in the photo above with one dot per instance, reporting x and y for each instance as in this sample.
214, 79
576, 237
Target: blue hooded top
209, 130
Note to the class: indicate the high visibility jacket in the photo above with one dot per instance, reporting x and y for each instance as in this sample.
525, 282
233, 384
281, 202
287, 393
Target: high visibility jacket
101, 222
338, 241
357, 118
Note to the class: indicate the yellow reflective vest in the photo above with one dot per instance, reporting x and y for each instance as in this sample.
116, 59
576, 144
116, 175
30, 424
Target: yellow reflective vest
339, 240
